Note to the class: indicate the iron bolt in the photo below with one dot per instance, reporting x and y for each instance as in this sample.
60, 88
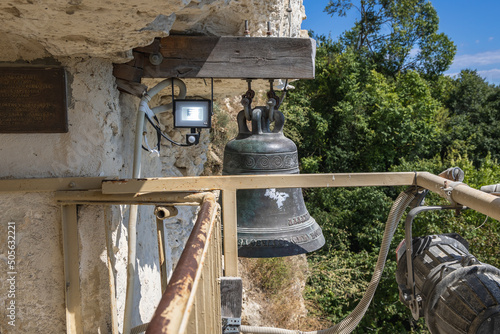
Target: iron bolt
155, 58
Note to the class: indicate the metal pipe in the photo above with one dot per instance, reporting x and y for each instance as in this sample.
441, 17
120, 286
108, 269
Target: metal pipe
164, 212
98, 198
173, 310
233, 182
461, 193
51, 184
133, 213
247, 32
229, 213
457, 191
160, 234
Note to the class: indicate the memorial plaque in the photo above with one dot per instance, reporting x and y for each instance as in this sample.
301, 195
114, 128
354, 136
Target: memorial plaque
33, 100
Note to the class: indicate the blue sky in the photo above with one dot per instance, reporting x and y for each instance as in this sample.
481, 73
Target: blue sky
474, 27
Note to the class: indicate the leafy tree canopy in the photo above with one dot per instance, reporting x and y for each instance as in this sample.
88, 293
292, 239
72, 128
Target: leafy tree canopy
354, 119
379, 103
473, 125
397, 35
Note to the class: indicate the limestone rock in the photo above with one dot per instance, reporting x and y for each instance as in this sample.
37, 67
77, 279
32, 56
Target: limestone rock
110, 29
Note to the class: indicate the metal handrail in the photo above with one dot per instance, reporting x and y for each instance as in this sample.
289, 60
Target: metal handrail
456, 192
176, 305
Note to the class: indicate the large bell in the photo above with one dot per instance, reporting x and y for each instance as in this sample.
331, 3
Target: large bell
271, 222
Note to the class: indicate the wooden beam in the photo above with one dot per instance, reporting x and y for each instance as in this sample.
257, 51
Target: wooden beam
235, 57
223, 57
231, 293
131, 87
133, 70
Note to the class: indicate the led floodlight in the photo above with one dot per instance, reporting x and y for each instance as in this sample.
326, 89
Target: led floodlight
192, 113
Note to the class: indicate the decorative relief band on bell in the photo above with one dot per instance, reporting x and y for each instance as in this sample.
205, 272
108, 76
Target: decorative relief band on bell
261, 161
281, 242
262, 243
299, 219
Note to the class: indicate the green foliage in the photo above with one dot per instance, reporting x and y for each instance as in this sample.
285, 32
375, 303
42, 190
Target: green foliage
353, 222
350, 105
376, 105
224, 127
397, 35
350, 218
480, 231
339, 280
473, 127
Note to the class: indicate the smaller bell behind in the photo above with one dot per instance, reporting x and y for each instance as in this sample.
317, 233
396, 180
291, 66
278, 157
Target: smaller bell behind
271, 222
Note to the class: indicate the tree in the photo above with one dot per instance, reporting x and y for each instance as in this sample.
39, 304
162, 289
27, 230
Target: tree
358, 120
397, 35
473, 125
379, 103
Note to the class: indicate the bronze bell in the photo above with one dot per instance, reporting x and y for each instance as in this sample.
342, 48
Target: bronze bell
271, 222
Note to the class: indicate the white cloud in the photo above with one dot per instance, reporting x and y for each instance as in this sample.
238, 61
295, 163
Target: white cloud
491, 38
478, 59
491, 76
414, 52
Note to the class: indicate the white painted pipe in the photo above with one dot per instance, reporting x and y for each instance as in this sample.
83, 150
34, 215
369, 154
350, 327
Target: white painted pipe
136, 173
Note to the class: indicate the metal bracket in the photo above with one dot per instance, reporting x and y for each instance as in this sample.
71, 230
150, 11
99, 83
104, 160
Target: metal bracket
414, 299
448, 189
231, 325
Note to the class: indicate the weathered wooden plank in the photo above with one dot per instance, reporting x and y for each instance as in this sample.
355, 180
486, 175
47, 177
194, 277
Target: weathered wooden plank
131, 71
130, 87
234, 57
219, 57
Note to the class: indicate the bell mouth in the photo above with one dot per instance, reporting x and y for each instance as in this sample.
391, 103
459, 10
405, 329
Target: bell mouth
278, 242
278, 248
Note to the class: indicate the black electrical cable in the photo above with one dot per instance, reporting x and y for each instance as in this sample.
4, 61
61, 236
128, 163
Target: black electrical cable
160, 133
158, 137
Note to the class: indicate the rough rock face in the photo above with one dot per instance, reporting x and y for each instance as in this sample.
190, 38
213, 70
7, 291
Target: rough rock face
110, 29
